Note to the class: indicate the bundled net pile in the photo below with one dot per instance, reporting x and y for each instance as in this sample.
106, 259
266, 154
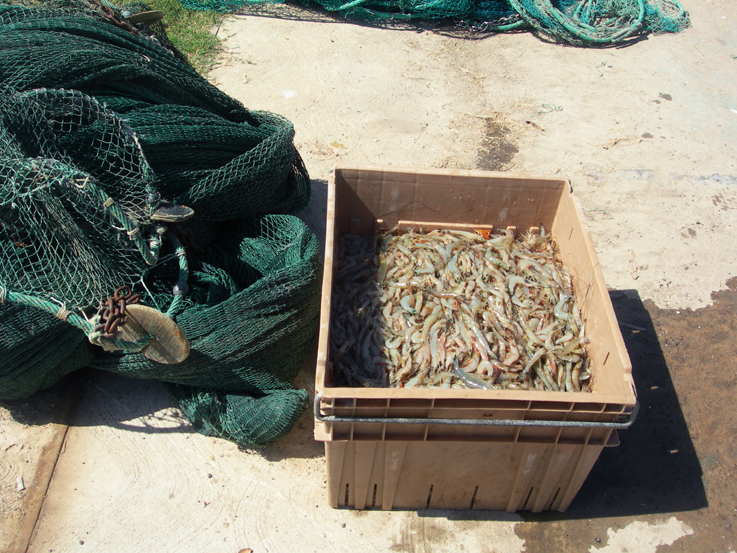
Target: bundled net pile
577, 22
102, 125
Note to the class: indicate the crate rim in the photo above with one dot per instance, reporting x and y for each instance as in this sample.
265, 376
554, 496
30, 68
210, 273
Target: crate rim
621, 425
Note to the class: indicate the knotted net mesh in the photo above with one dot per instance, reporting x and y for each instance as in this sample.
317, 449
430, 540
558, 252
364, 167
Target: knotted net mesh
577, 22
102, 126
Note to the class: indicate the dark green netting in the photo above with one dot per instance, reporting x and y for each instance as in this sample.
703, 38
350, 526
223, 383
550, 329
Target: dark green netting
37, 349
259, 303
99, 128
577, 22
200, 161
240, 418
250, 326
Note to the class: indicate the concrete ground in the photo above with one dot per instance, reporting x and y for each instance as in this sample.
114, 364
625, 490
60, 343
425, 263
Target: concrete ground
646, 134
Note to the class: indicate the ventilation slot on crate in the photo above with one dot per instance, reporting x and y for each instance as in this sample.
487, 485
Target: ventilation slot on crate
346, 494
555, 497
429, 497
373, 500
527, 500
473, 497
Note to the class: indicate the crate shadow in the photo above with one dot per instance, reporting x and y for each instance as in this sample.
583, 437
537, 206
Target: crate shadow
315, 214
655, 469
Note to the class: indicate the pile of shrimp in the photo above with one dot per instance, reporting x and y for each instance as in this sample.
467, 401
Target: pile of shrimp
456, 309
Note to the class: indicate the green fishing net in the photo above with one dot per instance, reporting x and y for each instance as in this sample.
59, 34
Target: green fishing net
577, 22
103, 125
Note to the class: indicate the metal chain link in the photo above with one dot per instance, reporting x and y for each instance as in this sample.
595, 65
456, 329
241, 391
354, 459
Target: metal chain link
108, 13
114, 315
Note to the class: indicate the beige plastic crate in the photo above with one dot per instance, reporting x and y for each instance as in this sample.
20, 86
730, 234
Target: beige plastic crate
460, 449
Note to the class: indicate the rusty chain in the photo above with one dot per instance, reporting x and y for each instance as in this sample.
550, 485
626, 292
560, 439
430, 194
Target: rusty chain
108, 13
114, 315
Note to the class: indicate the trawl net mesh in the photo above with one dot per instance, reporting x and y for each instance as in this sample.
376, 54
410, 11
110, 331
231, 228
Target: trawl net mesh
102, 128
577, 22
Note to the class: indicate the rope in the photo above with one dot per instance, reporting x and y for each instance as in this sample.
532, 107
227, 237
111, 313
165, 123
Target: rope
95, 337
150, 252
113, 344
177, 304
579, 29
63, 313
574, 22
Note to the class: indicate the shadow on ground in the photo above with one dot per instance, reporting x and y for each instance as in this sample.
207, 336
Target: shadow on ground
682, 449
37, 410
295, 11
656, 452
139, 406
655, 469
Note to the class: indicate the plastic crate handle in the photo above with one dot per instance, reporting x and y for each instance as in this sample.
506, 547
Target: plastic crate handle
476, 422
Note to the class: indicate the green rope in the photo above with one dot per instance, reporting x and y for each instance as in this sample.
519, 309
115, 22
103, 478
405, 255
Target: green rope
61, 312
177, 303
115, 344
567, 21
575, 29
150, 252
